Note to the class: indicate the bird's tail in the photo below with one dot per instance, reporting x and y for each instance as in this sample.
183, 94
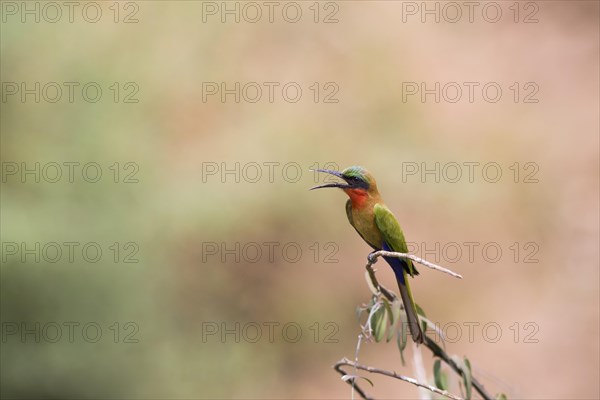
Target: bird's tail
409, 306
400, 268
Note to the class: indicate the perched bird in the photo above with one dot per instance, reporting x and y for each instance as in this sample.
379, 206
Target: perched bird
376, 224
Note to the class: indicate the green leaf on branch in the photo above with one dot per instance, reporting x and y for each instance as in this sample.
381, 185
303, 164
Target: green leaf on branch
388, 307
440, 377
395, 316
379, 323
401, 337
421, 312
501, 396
467, 377
390, 318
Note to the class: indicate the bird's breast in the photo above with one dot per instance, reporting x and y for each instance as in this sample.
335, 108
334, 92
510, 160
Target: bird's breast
364, 223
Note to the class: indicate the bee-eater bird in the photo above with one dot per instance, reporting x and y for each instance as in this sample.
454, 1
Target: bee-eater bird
376, 224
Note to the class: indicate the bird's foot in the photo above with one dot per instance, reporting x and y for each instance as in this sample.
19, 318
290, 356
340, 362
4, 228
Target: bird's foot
371, 257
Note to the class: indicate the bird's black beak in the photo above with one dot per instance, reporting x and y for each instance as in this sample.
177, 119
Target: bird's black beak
331, 185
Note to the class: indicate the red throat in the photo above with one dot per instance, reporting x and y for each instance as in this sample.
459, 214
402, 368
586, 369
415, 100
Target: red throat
358, 197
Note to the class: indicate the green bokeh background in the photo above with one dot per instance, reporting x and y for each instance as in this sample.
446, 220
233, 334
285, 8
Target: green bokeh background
177, 289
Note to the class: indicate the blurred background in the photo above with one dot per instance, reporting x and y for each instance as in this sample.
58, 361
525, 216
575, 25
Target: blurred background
165, 245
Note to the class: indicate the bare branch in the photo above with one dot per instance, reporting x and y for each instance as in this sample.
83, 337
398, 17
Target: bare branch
372, 259
429, 343
392, 374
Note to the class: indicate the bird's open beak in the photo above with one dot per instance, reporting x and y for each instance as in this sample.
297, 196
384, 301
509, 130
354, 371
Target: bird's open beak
331, 185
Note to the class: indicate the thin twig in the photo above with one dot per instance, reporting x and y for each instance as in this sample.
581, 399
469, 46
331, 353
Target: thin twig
358, 343
338, 368
392, 374
372, 259
428, 342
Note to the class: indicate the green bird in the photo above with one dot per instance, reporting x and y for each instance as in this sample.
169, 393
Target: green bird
376, 224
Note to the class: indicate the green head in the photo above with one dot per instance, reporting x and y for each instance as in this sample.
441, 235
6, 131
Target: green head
355, 177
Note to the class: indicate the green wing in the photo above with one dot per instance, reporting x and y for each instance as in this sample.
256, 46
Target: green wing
392, 233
